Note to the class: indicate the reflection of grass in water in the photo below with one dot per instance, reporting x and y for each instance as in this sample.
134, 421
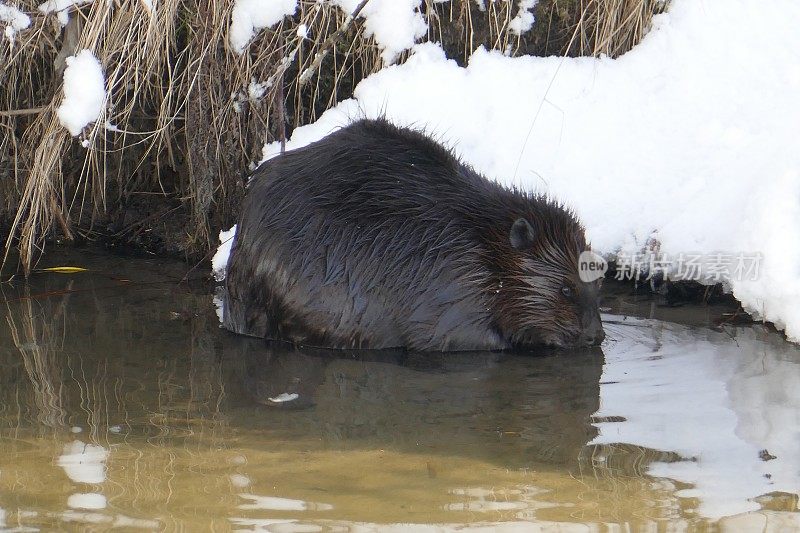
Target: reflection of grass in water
176, 458
72, 376
193, 485
37, 342
80, 366
188, 402
185, 474
615, 474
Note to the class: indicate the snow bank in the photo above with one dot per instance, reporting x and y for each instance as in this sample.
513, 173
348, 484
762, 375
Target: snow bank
84, 92
251, 16
14, 20
394, 24
689, 139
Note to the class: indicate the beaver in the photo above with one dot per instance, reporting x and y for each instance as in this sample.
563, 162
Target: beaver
377, 236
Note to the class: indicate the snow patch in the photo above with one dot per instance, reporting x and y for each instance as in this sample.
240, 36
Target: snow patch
84, 92
61, 8
523, 20
219, 262
251, 16
395, 24
14, 21
256, 90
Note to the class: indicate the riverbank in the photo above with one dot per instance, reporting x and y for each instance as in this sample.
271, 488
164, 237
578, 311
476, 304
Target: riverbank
138, 123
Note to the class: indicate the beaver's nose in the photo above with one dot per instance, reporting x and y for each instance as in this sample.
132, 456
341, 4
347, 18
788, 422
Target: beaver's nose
593, 337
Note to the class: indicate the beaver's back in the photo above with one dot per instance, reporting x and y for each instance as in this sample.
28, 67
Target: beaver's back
372, 170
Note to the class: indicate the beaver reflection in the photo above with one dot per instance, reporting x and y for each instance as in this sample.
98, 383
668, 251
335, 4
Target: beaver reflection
511, 409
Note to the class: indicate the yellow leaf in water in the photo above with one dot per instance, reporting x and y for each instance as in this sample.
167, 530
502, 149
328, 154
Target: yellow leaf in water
63, 270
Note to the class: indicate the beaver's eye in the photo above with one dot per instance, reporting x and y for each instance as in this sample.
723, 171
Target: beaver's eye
567, 292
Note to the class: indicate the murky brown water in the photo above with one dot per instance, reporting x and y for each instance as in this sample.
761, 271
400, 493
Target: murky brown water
123, 405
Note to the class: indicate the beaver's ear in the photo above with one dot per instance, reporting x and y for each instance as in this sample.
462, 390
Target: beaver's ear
521, 235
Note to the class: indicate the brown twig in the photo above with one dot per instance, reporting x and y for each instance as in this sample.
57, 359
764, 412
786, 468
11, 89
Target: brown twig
329, 42
18, 112
280, 104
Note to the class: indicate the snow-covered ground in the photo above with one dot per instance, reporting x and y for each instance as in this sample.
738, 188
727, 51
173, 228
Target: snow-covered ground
689, 140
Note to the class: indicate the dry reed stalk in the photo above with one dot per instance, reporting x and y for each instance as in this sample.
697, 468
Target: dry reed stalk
612, 27
564, 27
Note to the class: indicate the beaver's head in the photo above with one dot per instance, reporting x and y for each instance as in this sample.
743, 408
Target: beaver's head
544, 300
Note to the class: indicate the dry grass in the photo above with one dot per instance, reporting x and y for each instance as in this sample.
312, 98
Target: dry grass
180, 124
611, 27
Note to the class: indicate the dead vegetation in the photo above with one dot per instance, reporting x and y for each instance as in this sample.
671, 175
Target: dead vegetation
163, 169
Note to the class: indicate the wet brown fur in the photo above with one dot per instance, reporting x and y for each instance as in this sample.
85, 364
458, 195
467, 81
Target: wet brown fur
377, 237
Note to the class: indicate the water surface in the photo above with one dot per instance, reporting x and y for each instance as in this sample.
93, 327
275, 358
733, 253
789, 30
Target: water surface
123, 405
